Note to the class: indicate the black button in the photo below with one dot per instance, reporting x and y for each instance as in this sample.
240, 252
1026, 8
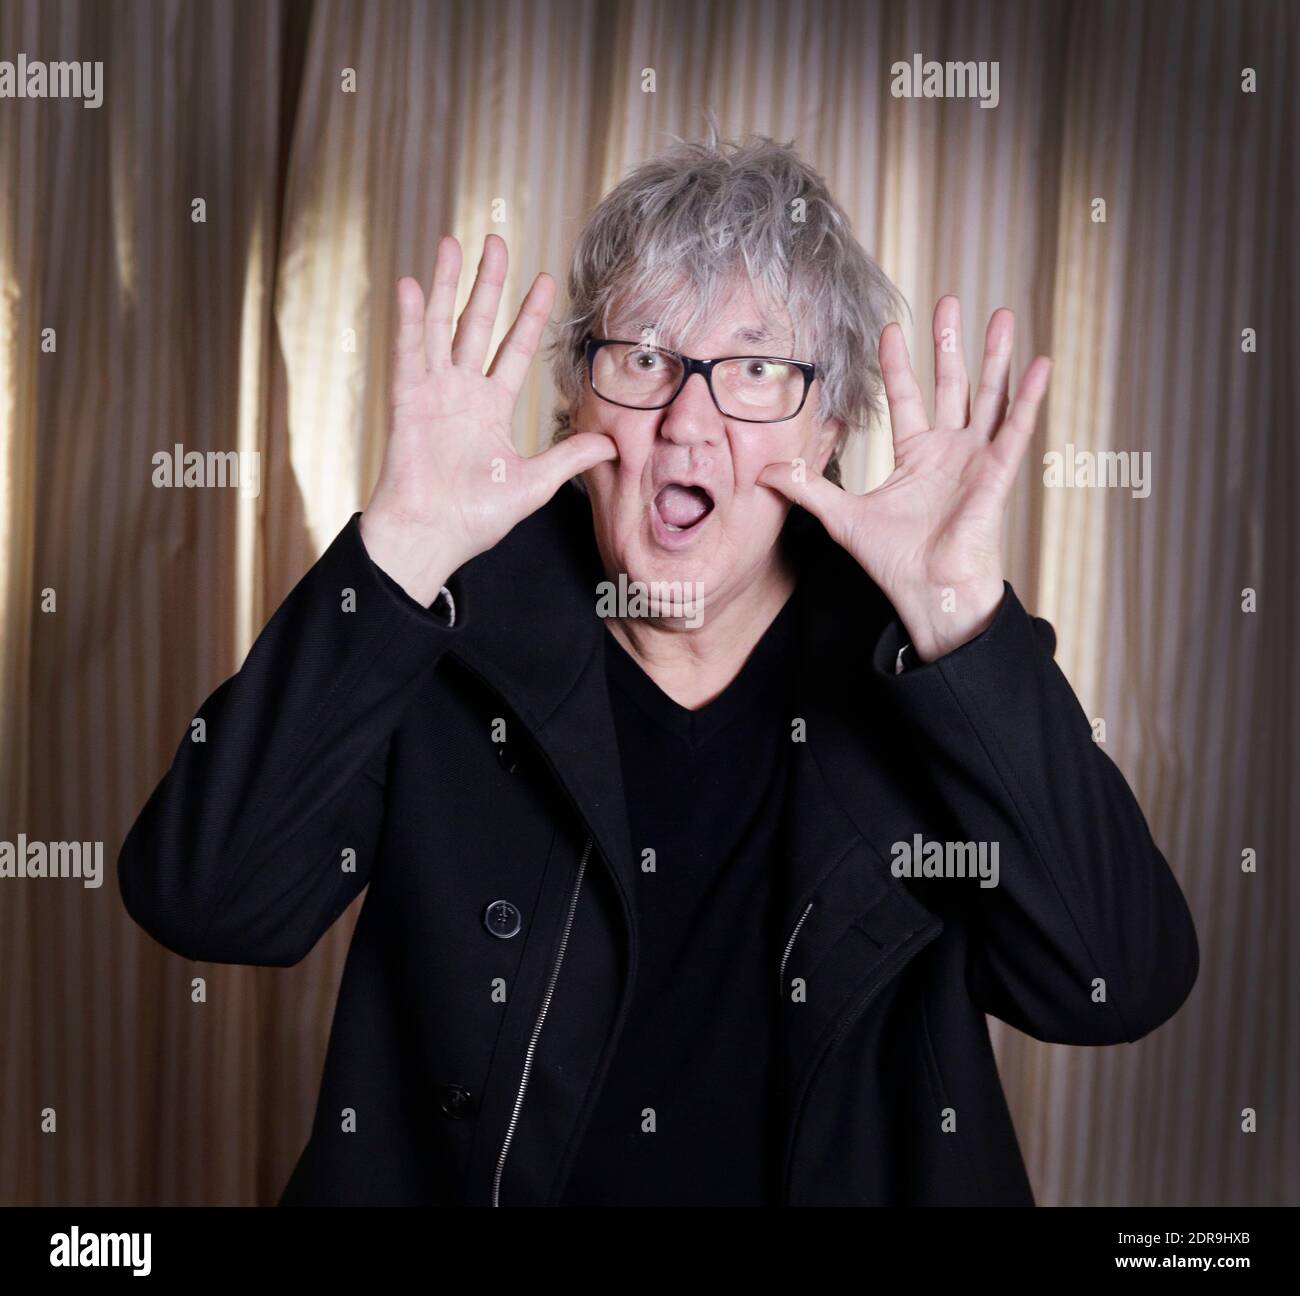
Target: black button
508, 757
455, 1100
502, 919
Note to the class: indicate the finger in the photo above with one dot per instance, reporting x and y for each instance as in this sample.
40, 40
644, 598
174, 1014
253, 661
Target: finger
1012, 440
990, 405
519, 346
474, 331
442, 304
409, 367
823, 499
549, 470
951, 383
907, 414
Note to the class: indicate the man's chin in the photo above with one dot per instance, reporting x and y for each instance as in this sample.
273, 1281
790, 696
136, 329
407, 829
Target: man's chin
671, 592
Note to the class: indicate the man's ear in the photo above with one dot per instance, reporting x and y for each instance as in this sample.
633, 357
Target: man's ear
829, 435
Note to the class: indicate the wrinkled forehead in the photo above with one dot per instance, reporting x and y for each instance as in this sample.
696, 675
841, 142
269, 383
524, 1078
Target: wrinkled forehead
726, 314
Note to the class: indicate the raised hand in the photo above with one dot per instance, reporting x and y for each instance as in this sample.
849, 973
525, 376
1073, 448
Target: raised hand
931, 534
452, 484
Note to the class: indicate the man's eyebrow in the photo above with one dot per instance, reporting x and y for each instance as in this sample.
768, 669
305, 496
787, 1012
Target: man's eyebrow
747, 334
754, 335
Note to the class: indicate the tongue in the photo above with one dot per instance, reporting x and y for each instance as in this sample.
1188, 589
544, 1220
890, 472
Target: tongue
682, 506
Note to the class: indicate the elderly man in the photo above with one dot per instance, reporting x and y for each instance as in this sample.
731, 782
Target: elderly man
691, 907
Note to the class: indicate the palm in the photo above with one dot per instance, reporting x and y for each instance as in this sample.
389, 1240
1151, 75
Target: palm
452, 428
936, 514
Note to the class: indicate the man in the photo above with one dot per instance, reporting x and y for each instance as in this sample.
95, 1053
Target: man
704, 901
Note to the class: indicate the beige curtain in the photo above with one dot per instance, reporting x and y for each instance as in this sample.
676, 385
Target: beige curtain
266, 326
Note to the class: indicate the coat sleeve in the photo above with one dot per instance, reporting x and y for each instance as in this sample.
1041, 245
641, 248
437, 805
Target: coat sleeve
239, 854
1083, 892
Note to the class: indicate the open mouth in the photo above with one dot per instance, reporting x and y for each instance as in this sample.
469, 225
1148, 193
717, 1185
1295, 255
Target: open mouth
683, 507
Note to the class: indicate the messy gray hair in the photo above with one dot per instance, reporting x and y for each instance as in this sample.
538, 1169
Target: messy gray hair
696, 217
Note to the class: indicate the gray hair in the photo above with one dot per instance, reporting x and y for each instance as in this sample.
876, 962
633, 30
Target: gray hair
703, 213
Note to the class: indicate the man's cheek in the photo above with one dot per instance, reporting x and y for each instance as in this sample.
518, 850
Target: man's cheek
747, 470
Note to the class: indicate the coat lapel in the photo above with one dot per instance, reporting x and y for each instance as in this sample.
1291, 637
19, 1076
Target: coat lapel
532, 634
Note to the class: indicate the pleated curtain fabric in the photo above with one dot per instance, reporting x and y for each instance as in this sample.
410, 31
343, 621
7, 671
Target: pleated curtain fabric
207, 260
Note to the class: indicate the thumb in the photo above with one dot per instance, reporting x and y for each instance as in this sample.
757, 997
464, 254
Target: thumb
810, 490
567, 458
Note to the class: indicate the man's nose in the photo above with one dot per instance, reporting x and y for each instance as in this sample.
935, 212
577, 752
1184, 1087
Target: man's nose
693, 418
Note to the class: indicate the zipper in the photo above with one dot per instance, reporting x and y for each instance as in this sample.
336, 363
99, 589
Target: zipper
892, 966
789, 945
537, 1026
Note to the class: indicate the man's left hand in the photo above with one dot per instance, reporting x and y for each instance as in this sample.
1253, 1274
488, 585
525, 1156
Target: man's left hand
930, 535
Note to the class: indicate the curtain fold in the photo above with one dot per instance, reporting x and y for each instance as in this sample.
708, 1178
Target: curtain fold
326, 146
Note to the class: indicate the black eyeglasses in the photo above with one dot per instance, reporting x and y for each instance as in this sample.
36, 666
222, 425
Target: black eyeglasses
752, 389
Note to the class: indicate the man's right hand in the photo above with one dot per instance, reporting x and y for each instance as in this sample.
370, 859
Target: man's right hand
452, 483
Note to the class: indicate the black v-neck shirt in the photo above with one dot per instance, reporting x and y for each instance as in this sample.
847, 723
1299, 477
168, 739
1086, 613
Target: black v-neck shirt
688, 1114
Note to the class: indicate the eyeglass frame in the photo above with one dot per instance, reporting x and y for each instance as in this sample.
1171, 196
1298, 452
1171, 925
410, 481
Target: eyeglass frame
704, 368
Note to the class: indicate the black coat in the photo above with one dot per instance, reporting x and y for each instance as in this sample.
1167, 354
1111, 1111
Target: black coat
377, 731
